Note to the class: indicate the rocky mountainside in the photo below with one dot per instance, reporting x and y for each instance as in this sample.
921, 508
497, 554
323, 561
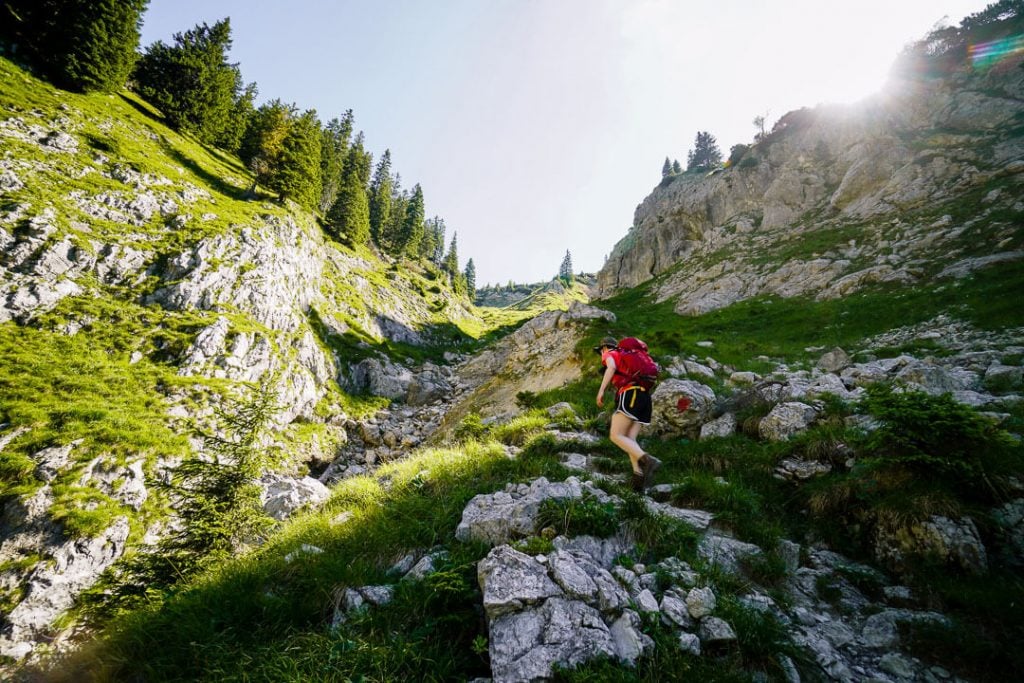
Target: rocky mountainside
127, 260
920, 182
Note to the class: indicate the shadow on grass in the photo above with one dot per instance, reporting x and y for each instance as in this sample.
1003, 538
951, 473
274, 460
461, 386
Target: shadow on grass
264, 616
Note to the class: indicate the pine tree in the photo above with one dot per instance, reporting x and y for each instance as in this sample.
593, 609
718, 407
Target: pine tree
470, 275
334, 144
86, 45
676, 168
428, 245
242, 111
298, 174
451, 261
412, 227
705, 155
565, 270
192, 82
349, 217
218, 498
380, 199
393, 228
666, 169
262, 146
438, 255
100, 43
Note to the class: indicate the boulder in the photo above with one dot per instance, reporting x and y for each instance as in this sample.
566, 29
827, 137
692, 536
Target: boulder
51, 588
721, 427
511, 581
786, 419
1004, 377
953, 541
681, 406
715, 631
496, 517
700, 602
526, 645
834, 361
281, 496
726, 553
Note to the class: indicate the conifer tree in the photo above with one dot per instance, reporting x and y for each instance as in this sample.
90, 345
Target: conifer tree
470, 275
438, 256
100, 43
349, 217
676, 168
380, 200
86, 45
412, 226
428, 245
666, 168
191, 82
242, 111
333, 150
565, 270
298, 175
393, 228
451, 261
705, 155
262, 145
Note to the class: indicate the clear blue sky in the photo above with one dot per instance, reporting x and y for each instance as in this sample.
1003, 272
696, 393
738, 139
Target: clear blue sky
536, 126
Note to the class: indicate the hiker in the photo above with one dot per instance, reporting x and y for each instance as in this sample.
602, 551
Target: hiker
632, 372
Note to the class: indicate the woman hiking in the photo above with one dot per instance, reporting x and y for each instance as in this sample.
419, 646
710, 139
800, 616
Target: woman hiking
625, 370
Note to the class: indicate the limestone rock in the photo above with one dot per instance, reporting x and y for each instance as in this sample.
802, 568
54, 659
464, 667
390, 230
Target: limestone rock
525, 646
954, 541
715, 631
511, 580
797, 469
51, 588
721, 427
700, 602
726, 553
786, 419
681, 406
281, 496
834, 361
496, 518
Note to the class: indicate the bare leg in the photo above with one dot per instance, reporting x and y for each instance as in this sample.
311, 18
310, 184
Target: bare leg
623, 434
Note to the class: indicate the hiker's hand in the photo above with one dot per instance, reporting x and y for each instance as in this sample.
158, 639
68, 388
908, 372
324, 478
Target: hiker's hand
600, 400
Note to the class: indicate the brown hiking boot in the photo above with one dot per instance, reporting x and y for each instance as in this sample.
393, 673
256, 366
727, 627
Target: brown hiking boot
637, 482
649, 465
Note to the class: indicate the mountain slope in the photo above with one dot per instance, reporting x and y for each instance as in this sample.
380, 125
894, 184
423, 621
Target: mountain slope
920, 182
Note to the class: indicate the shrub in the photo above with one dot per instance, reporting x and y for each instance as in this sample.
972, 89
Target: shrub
939, 440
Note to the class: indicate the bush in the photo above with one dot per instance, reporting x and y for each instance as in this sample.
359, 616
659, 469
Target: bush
940, 440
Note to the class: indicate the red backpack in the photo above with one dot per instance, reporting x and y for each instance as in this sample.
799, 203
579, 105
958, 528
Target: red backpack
635, 363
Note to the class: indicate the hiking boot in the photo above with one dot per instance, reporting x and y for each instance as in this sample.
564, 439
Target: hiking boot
637, 482
649, 465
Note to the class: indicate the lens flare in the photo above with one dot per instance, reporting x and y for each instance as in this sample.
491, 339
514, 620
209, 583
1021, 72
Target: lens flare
984, 55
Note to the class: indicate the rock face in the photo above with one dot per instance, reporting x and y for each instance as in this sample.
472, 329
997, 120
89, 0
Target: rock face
953, 541
51, 588
850, 178
538, 356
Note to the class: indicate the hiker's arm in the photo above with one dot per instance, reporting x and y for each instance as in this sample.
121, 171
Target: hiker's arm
608, 374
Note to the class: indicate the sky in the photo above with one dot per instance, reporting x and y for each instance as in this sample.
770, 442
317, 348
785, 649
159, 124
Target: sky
537, 126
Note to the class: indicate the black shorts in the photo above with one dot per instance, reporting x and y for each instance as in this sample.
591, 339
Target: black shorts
634, 403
